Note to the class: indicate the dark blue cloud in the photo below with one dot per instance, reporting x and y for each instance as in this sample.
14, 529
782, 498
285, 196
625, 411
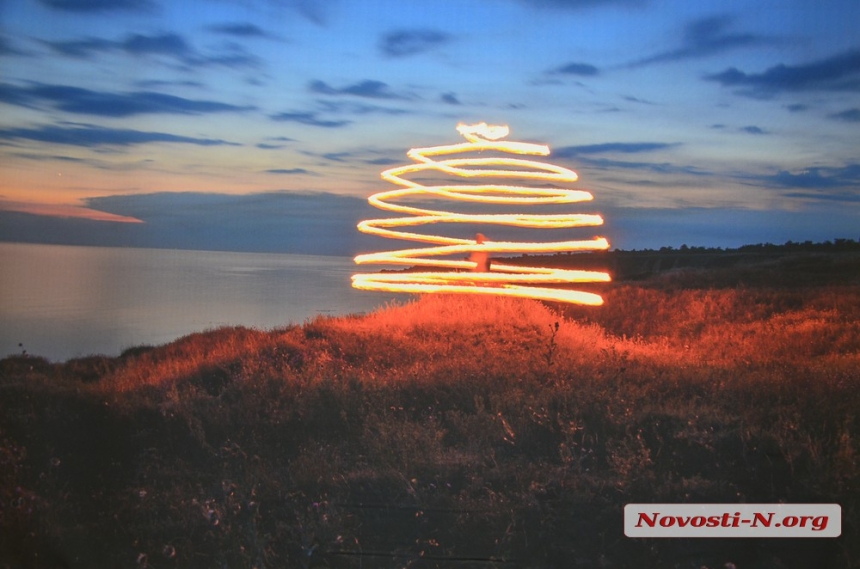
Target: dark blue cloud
838, 73
849, 115
100, 5
170, 45
752, 129
383, 161
817, 178
612, 147
91, 135
705, 37
797, 107
245, 30
159, 83
580, 4
84, 101
368, 88
403, 43
277, 222
287, 171
6, 48
450, 99
309, 118
354, 108
276, 144
638, 100
576, 68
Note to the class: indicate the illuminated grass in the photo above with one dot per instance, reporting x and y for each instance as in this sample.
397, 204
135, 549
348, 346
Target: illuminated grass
452, 430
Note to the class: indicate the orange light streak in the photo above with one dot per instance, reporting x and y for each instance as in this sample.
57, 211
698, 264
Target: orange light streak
499, 278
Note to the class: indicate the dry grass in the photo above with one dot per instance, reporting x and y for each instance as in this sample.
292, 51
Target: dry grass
451, 431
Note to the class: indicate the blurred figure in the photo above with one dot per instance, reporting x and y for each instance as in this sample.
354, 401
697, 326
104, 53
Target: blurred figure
480, 258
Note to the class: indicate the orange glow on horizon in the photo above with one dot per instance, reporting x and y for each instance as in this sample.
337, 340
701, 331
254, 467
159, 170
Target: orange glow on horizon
65, 210
477, 275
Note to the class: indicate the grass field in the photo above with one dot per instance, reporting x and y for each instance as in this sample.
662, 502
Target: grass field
450, 432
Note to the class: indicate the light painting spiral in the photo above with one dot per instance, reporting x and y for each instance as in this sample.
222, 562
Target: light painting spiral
478, 273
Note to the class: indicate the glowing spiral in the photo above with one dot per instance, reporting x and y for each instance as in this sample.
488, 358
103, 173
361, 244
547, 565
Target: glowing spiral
477, 275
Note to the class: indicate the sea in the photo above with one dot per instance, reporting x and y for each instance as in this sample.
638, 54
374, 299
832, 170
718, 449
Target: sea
62, 302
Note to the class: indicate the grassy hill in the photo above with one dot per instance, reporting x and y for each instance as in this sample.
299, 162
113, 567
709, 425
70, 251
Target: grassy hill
450, 432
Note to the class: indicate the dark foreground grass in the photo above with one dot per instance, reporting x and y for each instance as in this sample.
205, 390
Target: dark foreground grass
452, 432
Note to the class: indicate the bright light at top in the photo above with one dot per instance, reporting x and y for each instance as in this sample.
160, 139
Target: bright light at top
479, 273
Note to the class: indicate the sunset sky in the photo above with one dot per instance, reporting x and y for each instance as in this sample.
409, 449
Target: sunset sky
262, 125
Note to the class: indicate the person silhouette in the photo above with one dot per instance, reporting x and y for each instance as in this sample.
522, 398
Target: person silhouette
479, 257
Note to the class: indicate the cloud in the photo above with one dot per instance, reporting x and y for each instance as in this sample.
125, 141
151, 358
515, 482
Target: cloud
309, 118
158, 83
288, 222
84, 101
246, 30
702, 38
638, 100
612, 147
6, 48
351, 107
170, 45
383, 161
797, 107
368, 88
840, 72
404, 43
580, 4
290, 171
816, 178
64, 210
283, 222
849, 115
576, 68
450, 99
752, 129
277, 143
100, 5
91, 135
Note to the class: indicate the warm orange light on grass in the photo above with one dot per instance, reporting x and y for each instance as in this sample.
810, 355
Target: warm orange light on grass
467, 276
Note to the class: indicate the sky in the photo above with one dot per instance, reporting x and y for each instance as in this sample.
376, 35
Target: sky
263, 125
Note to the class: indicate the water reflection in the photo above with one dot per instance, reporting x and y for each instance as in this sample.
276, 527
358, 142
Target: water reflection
62, 302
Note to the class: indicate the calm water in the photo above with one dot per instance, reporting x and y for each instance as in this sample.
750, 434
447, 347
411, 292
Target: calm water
62, 302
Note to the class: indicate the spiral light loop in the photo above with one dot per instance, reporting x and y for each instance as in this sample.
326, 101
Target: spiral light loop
476, 275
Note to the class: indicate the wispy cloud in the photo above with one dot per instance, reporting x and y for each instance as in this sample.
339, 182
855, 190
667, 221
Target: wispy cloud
355, 108
849, 115
6, 48
450, 99
613, 148
64, 211
85, 101
576, 68
369, 89
309, 118
170, 45
580, 4
817, 178
705, 37
92, 135
752, 129
288, 171
101, 5
404, 43
240, 30
277, 142
840, 72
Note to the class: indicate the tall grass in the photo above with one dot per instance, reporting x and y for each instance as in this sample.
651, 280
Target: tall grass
449, 431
